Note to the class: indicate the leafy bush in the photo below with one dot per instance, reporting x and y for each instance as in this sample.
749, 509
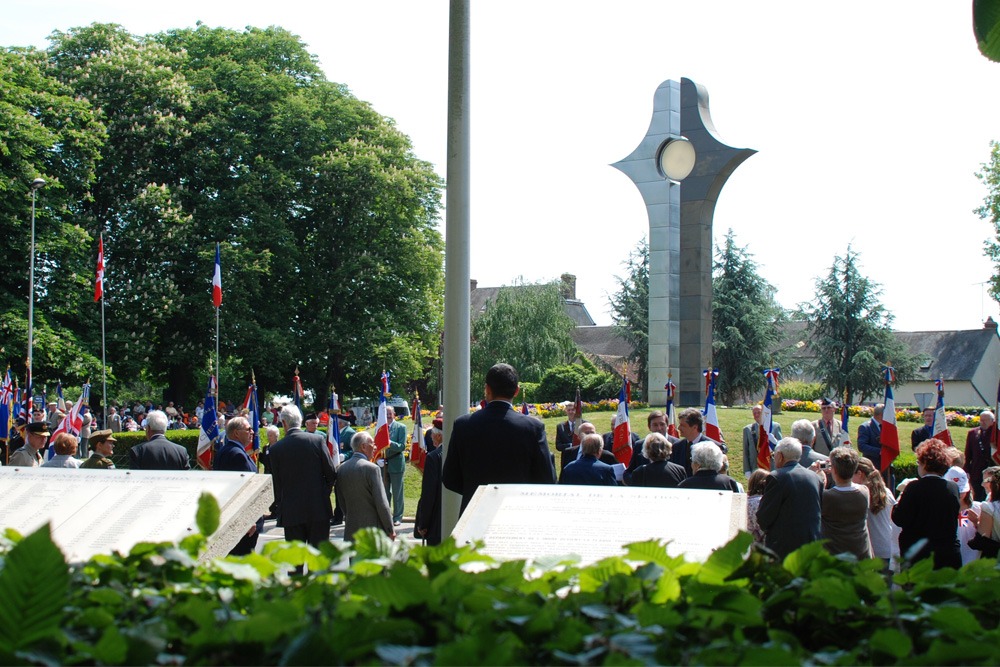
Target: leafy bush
560, 382
409, 604
801, 391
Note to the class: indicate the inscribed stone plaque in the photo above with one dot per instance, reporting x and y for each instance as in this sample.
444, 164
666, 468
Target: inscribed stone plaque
103, 511
523, 521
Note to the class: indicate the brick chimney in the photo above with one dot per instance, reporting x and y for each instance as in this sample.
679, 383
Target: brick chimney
568, 286
472, 283
990, 324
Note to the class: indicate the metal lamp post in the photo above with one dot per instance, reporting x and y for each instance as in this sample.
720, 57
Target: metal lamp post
35, 185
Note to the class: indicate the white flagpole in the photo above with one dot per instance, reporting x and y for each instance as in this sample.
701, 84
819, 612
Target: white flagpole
104, 362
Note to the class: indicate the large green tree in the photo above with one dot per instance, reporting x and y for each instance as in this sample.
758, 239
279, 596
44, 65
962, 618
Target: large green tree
745, 323
989, 174
327, 221
851, 333
630, 310
525, 326
46, 132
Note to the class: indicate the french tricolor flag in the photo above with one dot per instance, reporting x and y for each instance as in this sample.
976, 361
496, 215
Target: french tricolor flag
712, 430
217, 280
382, 424
889, 439
622, 442
939, 429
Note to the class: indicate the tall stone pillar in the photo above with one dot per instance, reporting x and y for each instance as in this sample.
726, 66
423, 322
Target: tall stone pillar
680, 167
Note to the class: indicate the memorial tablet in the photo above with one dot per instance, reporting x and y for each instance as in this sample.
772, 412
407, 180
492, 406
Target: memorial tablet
102, 511
524, 521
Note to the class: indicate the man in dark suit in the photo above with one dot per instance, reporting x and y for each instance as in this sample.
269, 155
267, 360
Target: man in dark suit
565, 430
497, 445
233, 456
158, 453
978, 455
303, 476
920, 434
690, 424
869, 434
573, 453
707, 460
751, 432
790, 511
428, 521
587, 470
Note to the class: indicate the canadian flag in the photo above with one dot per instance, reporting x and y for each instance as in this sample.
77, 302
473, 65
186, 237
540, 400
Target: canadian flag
99, 283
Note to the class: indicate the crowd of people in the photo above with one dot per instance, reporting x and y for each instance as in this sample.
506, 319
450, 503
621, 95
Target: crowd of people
818, 486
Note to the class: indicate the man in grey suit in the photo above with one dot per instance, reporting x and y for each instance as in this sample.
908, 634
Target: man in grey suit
790, 509
360, 492
303, 475
751, 433
803, 431
158, 453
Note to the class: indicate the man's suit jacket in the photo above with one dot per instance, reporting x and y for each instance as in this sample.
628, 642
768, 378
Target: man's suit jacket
928, 508
232, 456
27, 457
791, 508
868, 442
158, 453
711, 480
429, 506
496, 445
587, 470
564, 434
750, 432
829, 440
978, 458
361, 494
662, 474
638, 459
809, 457
302, 474
919, 435
681, 454
567, 456
395, 459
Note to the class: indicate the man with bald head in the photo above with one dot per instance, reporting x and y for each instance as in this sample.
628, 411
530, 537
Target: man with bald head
978, 452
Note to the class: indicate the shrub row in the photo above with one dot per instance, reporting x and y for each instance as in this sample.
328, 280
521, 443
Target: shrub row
402, 604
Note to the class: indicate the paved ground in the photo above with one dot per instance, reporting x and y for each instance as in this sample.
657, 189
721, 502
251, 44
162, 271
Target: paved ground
272, 532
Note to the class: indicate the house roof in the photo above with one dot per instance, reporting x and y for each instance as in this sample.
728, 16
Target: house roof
601, 341
952, 355
574, 308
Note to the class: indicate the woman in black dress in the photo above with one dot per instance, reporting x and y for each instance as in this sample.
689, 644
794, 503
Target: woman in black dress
928, 509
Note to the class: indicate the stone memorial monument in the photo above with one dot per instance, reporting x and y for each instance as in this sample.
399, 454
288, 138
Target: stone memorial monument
680, 167
102, 511
525, 521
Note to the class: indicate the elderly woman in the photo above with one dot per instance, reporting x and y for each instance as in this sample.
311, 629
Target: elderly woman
755, 491
65, 447
928, 509
706, 462
660, 471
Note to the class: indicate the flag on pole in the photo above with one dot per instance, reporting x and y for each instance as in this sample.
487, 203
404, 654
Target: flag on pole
27, 397
670, 409
99, 283
382, 424
622, 442
209, 434
524, 408
939, 428
15, 406
578, 406
889, 437
712, 430
418, 455
217, 280
844, 418
72, 423
765, 438
297, 392
6, 397
60, 402
333, 428
250, 403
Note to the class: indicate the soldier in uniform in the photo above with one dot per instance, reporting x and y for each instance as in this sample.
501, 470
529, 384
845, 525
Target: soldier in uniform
102, 444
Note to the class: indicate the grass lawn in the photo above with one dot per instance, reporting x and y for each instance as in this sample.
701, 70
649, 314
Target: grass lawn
731, 421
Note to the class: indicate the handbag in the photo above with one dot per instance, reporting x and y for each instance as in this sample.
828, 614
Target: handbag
989, 547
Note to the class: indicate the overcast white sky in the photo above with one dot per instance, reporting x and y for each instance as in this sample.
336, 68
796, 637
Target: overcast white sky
870, 119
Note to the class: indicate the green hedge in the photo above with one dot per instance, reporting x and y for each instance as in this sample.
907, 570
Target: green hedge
188, 439
399, 604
